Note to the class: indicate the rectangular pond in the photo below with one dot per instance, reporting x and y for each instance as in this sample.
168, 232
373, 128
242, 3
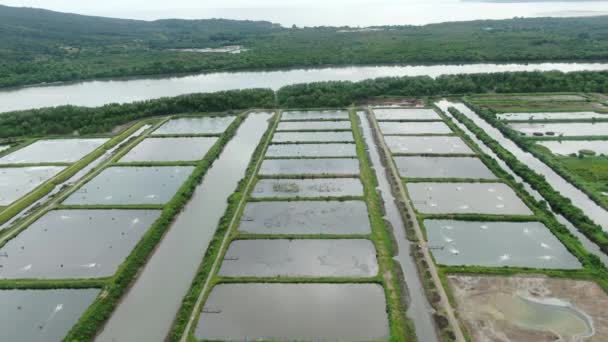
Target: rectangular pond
314, 126
132, 185
551, 116
319, 187
520, 244
75, 244
562, 129
315, 115
442, 167
567, 147
195, 125
42, 315
16, 182
407, 128
306, 218
170, 149
427, 145
304, 137
294, 312
53, 151
312, 150
466, 198
396, 114
324, 166
300, 258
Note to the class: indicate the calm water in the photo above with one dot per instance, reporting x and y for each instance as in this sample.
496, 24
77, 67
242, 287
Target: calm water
427, 145
97, 93
567, 147
442, 167
305, 137
293, 188
143, 314
75, 244
324, 166
294, 312
41, 315
522, 244
203, 125
314, 115
300, 258
53, 151
307, 217
396, 114
312, 150
16, 182
169, 149
551, 116
414, 128
562, 129
132, 185
314, 126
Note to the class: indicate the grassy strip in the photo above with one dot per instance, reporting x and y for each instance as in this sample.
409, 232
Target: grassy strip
97, 314
308, 176
251, 236
558, 202
311, 142
451, 180
434, 155
187, 135
477, 217
49, 284
421, 135
308, 157
213, 250
296, 199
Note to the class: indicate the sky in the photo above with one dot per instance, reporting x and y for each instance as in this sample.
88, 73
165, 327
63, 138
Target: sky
319, 12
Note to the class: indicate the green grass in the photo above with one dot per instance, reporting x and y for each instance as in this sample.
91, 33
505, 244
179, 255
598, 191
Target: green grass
592, 174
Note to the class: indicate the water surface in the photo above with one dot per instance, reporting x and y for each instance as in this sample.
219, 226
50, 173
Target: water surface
396, 114
562, 129
320, 187
314, 125
314, 115
567, 147
16, 182
551, 116
53, 151
427, 145
305, 137
312, 150
324, 166
414, 128
169, 149
195, 125
442, 167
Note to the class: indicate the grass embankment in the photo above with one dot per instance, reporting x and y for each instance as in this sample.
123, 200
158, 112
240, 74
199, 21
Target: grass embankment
540, 102
97, 314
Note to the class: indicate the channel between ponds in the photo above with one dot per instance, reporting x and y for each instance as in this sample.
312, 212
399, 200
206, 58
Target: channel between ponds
147, 311
419, 309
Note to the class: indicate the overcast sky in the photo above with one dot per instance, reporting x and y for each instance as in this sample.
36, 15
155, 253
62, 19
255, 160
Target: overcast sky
318, 12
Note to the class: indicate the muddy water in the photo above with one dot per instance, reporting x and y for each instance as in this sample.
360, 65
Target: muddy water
427, 145
15, 182
551, 116
202, 125
132, 185
460, 198
397, 114
419, 310
414, 128
442, 167
521, 244
315, 115
169, 149
562, 129
41, 315
325, 166
280, 137
578, 198
75, 244
567, 147
300, 258
294, 312
313, 125
311, 150
293, 188
306, 218
53, 151
148, 309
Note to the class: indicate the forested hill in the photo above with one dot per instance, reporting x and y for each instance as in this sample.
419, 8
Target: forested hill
44, 46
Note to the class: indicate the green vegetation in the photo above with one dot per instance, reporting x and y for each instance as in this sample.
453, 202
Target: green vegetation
44, 46
531, 103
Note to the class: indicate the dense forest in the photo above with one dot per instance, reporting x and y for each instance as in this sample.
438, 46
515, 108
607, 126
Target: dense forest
44, 46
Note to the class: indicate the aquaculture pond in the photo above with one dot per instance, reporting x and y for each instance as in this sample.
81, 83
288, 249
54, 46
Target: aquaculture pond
300, 258
521, 244
567, 147
303, 137
320, 187
551, 116
405, 128
170, 149
427, 145
323, 312
562, 129
195, 125
41, 315
324, 166
53, 151
396, 114
314, 115
442, 167
132, 185
314, 125
15, 182
311, 150
306, 217
75, 244
462, 198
